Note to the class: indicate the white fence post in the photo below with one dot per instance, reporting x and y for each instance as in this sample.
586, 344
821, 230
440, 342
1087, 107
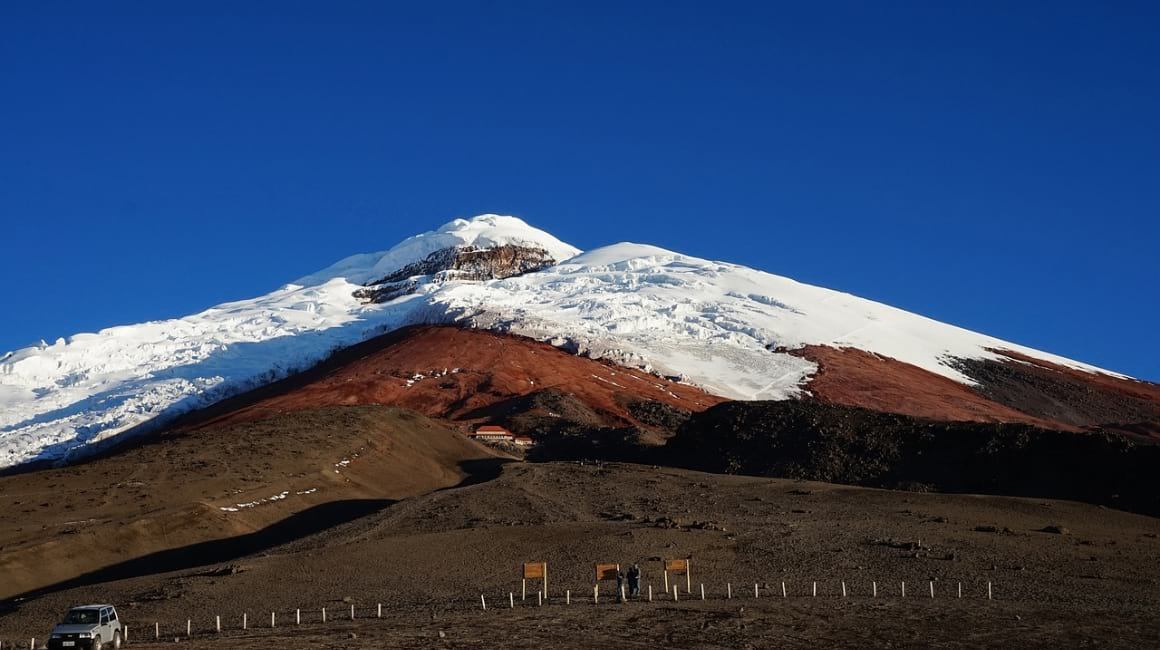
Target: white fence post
874, 586
298, 616
702, 591
843, 589
217, 623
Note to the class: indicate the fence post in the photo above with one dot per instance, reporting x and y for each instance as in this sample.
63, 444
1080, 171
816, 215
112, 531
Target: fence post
483, 601
650, 592
323, 614
988, 590
756, 594
815, 594
271, 619
702, 591
596, 595
960, 590
843, 589
728, 591
568, 597
874, 586
156, 630
217, 623
380, 612
245, 620
904, 590
783, 593
539, 599
675, 598
932, 588
298, 616
188, 628
511, 600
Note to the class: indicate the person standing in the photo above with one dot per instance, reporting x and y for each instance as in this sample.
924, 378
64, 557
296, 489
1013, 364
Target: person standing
634, 580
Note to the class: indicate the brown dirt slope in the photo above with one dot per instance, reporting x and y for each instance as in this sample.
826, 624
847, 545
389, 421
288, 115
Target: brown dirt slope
320, 465
1092, 582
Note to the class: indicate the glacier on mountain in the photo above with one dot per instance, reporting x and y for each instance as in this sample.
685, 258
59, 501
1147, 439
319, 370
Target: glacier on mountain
721, 326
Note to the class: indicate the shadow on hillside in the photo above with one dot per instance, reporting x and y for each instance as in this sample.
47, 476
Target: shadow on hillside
480, 470
295, 527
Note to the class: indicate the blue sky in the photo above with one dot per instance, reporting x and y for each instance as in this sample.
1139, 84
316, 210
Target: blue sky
993, 165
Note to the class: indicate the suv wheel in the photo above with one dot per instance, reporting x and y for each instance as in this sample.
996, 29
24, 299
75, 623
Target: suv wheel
97, 642
117, 640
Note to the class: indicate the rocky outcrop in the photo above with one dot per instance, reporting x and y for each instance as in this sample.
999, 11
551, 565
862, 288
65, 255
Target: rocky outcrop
839, 444
462, 263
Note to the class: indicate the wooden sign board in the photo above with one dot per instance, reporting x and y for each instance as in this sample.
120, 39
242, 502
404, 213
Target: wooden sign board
607, 571
676, 566
535, 570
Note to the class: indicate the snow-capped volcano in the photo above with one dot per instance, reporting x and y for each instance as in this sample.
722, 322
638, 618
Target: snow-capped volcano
724, 327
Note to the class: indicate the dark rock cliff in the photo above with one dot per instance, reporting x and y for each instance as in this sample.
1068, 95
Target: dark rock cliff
841, 444
466, 263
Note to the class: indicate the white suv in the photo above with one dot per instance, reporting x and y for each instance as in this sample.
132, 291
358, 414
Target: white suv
89, 627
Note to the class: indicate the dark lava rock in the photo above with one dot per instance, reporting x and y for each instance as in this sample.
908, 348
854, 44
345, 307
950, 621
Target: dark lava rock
808, 440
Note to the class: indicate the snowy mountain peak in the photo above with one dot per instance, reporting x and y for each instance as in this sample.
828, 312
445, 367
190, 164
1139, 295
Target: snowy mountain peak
728, 329
484, 232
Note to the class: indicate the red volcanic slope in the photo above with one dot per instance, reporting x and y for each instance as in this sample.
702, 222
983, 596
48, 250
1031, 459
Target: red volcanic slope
459, 374
448, 372
1020, 389
852, 377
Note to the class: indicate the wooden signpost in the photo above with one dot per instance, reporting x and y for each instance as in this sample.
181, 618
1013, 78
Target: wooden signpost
535, 571
606, 571
679, 566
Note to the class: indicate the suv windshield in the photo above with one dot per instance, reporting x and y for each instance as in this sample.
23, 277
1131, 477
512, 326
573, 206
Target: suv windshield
81, 617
